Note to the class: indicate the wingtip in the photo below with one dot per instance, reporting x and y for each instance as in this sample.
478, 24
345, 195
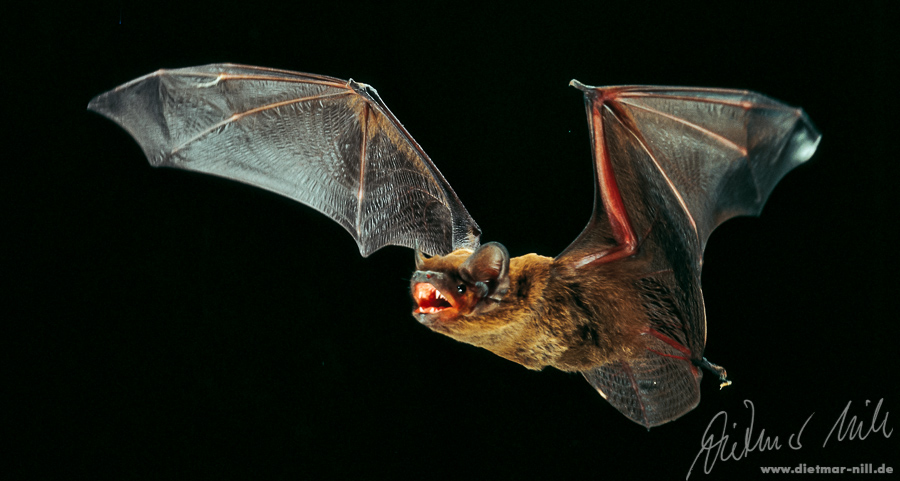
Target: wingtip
806, 152
99, 104
805, 140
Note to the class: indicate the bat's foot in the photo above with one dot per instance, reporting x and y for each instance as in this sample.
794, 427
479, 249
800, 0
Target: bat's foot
717, 370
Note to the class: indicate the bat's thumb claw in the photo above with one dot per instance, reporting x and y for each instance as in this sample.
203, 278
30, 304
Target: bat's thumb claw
580, 86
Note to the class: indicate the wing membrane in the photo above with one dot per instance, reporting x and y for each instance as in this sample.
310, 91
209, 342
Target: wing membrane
328, 143
673, 163
723, 150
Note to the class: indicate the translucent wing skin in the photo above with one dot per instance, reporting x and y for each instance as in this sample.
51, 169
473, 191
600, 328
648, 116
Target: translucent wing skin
328, 143
671, 164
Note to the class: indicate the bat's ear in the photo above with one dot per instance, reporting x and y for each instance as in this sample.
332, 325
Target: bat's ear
420, 258
488, 269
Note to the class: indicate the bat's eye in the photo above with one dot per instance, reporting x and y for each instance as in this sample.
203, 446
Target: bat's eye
461, 288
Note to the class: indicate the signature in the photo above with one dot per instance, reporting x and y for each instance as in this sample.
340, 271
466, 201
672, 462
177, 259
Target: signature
718, 445
852, 430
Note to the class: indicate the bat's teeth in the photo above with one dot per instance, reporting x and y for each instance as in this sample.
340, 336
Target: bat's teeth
429, 299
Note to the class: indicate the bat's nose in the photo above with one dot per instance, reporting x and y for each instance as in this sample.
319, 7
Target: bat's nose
426, 276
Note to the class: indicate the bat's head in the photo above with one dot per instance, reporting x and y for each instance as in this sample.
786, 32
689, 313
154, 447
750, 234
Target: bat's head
463, 284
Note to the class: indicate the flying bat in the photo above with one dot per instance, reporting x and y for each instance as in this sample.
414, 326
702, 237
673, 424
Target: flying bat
622, 304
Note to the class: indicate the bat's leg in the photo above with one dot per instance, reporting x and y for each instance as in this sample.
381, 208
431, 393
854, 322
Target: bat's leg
715, 369
622, 229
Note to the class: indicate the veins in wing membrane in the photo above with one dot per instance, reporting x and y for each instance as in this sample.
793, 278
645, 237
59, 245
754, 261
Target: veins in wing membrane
629, 126
707, 132
237, 116
745, 104
363, 158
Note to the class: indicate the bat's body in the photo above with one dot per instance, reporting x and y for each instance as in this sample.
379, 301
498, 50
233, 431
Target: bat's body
549, 316
622, 304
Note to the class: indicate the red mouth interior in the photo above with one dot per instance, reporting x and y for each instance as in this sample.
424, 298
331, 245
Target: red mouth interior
429, 299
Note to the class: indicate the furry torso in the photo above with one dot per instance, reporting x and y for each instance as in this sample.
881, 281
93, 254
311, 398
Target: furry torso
552, 317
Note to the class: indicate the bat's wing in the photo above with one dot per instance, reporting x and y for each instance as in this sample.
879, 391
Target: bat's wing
322, 141
672, 164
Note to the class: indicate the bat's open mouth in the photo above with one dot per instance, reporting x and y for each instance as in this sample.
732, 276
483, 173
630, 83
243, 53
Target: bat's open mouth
429, 299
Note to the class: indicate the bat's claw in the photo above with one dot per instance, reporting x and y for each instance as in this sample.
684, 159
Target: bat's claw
717, 370
580, 86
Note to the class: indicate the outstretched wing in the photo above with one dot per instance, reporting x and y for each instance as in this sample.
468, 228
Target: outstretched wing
672, 164
328, 143
717, 153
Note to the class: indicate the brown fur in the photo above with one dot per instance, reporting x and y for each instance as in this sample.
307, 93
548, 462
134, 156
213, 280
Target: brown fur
551, 315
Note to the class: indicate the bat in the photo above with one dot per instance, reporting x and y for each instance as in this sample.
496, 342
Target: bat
622, 304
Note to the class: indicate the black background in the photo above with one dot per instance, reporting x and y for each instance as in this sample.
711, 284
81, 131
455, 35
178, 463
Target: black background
172, 325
